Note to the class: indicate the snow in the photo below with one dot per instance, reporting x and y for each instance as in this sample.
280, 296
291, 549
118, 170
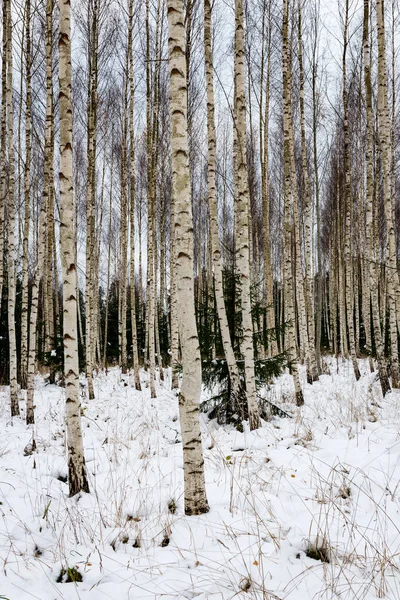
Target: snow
331, 474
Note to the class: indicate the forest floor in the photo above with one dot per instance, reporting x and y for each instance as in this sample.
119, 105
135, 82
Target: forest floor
325, 482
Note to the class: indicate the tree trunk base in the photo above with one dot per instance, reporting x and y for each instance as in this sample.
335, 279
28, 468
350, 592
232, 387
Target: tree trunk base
15, 409
384, 381
395, 375
299, 398
90, 388
77, 481
196, 508
30, 416
138, 385
254, 421
357, 373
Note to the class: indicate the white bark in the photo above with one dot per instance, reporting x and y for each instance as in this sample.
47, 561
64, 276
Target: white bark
243, 201
384, 130
11, 221
195, 492
288, 271
76, 461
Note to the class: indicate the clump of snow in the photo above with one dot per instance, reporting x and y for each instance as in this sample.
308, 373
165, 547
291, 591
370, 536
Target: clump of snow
327, 478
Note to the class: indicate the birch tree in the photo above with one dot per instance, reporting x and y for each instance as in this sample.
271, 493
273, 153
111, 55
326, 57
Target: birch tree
384, 132
11, 254
348, 295
189, 396
135, 354
77, 478
371, 271
27, 206
41, 242
243, 247
236, 390
288, 226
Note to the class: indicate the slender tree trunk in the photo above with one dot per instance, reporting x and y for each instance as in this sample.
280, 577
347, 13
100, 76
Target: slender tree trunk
77, 478
124, 229
317, 206
108, 255
347, 201
41, 242
30, 413
393, 133
174, 306
299, 291
243, 200
49, 265
135, 353
11, 218
384, 131
151, 174
288, 228
27, 175
265, 186
47, 197
193, 463
3, 142
90, 296
236, 391
308, 287
371, 271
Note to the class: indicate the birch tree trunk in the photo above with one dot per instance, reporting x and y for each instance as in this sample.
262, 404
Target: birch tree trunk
393, 141
27, 176
151, 190
347, 200
265, 185
124, 228
317, 194
50, 264
189, 397
308, 287
3, 142
11, 217
41, 243
236, 389
90, 292
288, 272
135, 353
384, 131
77, 478
300, 292
243, 200
30, 413
108, 254
373, 283
174, 306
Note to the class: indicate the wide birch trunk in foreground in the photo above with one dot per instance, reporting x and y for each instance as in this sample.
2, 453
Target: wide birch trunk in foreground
189, 397
76, 461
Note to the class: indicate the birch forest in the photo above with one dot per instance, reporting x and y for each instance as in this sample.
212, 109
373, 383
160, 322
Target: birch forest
199, 226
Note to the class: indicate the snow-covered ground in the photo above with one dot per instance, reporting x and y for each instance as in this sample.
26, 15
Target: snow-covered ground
329, 477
